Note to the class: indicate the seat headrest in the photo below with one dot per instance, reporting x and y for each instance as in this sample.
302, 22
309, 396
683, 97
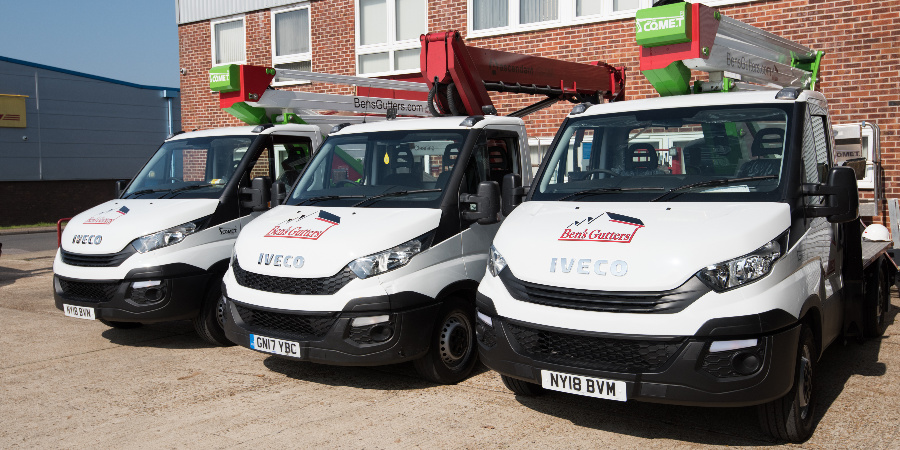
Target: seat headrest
768, 141
641, 156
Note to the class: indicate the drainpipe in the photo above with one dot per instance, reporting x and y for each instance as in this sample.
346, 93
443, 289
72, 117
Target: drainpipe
169, 95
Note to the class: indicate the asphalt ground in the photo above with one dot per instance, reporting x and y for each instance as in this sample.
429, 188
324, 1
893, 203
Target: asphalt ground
74, 383
20, 243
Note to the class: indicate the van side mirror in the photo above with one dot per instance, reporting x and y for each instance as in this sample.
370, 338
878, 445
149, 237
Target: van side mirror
483, 206
279, 193
512, 193
257, 196
841, 196
121, 185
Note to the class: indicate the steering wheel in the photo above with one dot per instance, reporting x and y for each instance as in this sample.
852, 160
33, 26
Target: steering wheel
593, 173
343, 182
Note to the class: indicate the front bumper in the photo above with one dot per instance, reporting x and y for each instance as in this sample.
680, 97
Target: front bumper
179, 295
675, 370
330, 338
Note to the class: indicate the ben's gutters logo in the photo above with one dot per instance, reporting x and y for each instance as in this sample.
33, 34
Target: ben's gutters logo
384, 105
107, 217
744, 63
660, 23
306, 226
607, 227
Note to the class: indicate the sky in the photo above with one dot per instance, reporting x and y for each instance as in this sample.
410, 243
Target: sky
126, 40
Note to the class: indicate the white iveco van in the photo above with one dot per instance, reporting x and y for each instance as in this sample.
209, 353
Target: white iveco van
694, 250
159, 250
377, 253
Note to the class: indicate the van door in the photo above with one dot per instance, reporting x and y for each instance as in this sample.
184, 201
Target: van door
820, 246
496, 153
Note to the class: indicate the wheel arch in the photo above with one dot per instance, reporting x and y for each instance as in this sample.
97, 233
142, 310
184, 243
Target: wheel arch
462, 288
811, 315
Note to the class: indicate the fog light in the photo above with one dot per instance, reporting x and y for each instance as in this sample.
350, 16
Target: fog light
746, 363
381, 333
486, 319
366, 321
724, 346
146, 292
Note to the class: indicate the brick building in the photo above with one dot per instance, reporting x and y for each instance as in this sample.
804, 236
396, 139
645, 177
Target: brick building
860, 38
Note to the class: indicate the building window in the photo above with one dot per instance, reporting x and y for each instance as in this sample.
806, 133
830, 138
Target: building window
228, 41
387, 35
494, 17
290, 40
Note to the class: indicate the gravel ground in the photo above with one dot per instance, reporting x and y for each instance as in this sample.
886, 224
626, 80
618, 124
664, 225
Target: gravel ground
76, 383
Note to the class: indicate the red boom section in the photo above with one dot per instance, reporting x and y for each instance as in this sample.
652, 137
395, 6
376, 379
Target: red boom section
460, 77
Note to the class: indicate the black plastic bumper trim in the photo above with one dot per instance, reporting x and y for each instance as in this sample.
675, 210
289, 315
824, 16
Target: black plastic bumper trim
410, 339
184, 297
680, 381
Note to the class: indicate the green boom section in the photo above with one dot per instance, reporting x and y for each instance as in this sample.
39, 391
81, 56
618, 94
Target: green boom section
674, 79
225, 78
812, 66
663, 25
351, 161
248, 114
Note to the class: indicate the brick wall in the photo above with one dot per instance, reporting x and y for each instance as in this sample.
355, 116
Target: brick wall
194, 165
860, 69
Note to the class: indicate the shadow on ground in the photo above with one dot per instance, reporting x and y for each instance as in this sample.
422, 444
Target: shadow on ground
9, 275
393, 377
174, 335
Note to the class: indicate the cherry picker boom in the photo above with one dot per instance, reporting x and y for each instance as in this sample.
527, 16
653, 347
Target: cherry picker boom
457, 81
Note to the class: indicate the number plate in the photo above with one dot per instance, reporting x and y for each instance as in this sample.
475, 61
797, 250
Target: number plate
581, 385
276, 346
80, 312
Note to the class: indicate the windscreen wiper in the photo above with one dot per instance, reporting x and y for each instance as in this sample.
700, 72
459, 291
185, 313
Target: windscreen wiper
322, 198
190, 188
397, 194
146, 191
708, 183
607, 190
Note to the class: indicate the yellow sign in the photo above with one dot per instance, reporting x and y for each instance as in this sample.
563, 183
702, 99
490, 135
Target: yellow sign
12, 111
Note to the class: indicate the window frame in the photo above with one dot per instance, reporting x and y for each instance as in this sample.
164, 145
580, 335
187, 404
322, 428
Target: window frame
390, 47
565, 16
212, 32
297, 57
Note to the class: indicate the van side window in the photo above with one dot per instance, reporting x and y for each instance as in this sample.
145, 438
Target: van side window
815, 152
495, 155
292, 153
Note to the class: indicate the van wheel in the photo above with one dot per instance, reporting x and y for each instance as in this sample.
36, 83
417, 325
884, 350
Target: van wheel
210, 322
120, 325
790, 418
520, 387
451, 355
876, 304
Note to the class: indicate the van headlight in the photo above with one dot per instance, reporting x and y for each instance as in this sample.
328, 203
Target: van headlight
745, 269
496, 263
391, 258
166, 237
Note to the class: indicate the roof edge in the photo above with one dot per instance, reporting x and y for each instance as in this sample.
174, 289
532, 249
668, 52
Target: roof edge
87, 75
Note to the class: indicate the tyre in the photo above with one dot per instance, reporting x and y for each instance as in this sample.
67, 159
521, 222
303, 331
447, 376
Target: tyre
520, 387
790, 418
876, 304
451, 353
120, 325
210, 322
